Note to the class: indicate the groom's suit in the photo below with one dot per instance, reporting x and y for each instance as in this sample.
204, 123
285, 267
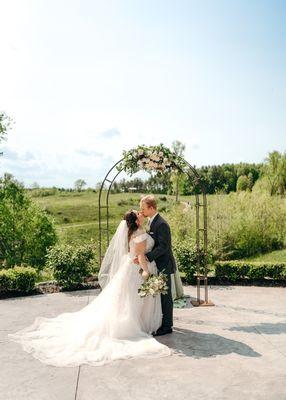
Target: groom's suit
163, 256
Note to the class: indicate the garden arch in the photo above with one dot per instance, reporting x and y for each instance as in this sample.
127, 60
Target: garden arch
159, 159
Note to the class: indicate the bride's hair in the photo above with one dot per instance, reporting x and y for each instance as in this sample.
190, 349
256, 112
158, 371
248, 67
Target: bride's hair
131, 218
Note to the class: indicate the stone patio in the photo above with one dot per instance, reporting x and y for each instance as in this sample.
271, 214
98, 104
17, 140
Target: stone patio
235, 350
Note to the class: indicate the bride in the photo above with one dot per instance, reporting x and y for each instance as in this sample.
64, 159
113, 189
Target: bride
118, 323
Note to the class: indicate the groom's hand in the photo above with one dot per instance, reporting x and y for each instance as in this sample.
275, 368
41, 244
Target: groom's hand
136, 261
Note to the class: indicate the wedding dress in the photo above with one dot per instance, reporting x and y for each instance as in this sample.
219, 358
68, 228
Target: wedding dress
117, 324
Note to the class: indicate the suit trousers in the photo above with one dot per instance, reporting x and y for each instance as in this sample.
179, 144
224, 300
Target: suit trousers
167, 306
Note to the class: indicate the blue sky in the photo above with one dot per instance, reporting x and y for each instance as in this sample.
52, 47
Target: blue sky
85, 80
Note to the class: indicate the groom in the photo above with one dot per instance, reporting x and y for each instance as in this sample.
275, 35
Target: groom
162, 254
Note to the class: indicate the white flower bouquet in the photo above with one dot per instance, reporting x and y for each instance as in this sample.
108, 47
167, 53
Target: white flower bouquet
154, 285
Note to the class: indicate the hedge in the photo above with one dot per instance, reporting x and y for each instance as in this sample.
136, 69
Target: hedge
21, 279
237, 270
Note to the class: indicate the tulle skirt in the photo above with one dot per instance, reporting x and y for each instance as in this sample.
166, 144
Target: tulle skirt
117, 324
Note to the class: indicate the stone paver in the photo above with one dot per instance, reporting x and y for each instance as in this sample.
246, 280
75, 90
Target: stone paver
235, 350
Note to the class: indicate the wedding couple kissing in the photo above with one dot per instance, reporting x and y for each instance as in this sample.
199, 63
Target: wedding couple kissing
118, 323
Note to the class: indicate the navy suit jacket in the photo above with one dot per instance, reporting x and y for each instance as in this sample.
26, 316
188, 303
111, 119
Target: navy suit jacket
162, 251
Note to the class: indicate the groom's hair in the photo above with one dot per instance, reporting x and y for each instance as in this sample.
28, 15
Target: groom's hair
150, 201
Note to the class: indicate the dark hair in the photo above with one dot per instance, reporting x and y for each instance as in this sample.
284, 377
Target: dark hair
131, 218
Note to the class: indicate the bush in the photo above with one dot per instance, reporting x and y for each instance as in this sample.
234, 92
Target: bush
21, 279
186, 257
243, 183
44, 192
240, 225
71, 264
245, 224
237, 270
26, 231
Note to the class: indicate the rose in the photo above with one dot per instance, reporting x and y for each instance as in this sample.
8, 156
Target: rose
140, 152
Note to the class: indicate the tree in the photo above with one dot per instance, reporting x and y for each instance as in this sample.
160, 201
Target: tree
275, 171
79, 184
178, 148
35, 185
26, 231
243, 183
5, 125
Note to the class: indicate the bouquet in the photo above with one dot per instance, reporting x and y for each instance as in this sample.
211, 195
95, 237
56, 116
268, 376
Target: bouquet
154, 284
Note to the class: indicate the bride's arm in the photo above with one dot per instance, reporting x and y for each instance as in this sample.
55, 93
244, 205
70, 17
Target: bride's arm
140, 250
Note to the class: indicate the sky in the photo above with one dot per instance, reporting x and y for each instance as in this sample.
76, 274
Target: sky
84, 80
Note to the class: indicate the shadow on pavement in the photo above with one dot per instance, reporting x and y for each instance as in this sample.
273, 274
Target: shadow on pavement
201, 345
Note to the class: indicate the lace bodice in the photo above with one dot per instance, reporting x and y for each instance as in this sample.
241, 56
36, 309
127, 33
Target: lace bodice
140, 237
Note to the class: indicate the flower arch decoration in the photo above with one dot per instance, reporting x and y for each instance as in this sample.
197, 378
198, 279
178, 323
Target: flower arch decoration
158, 159
150, 158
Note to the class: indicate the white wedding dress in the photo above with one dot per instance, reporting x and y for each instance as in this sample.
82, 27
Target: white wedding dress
117, 324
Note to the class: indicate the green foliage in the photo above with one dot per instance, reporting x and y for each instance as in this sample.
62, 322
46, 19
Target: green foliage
240, 225
79, 184
71, 264
235, 270
223, 178
275, 172
22, 279
243, 183
245, 224
25, 230
43, 192
186, 258
5, 125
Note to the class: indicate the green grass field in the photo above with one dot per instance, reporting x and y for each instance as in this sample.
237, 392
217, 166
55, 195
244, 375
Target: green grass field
274, 256
76, 215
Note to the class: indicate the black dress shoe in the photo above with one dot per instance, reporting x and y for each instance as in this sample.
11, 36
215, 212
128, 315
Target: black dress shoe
161, 332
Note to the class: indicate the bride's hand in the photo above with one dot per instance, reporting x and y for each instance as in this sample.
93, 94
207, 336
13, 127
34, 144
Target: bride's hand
145, 275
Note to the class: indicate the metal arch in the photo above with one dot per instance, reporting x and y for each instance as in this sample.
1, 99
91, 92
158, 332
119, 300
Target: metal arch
100, 207
198, 204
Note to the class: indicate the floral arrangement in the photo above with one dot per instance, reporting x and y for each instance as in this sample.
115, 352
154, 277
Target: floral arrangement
150, 158
154, 284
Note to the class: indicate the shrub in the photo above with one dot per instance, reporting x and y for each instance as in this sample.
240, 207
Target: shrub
70, 263
240, 225
44, 192
22, 279
243, 183
186, 257
245, 224
237, 270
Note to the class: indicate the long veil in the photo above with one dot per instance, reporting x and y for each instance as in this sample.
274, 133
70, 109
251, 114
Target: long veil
115, 254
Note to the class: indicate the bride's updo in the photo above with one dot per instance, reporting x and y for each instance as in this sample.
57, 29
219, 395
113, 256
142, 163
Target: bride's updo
131, 218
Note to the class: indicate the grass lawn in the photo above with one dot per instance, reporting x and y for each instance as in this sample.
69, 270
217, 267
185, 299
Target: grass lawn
76, 214
273, 256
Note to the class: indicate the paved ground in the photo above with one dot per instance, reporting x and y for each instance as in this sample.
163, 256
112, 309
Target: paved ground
235, 350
